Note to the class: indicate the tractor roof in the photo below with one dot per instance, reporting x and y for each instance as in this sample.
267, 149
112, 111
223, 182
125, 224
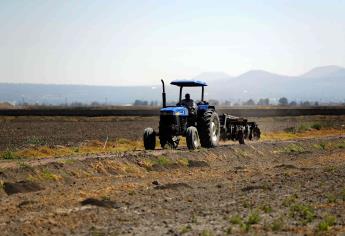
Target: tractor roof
188, 83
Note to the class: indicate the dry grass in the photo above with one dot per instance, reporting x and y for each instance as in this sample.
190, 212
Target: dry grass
90, 147
314, 133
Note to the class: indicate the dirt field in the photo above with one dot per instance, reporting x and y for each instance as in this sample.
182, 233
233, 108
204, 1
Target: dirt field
19, 132
274, 186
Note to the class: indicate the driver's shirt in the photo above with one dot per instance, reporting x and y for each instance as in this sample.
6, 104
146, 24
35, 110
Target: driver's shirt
188, 103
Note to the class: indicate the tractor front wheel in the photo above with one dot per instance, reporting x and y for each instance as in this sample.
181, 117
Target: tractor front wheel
192, 138
149, 139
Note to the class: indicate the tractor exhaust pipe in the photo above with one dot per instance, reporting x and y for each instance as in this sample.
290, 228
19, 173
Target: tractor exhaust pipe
164, 99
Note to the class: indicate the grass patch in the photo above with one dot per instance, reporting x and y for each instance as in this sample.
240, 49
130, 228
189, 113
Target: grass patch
302, 212
277, 224
342, 194
24, 165
253, 218
35, 141
47, 175
206, 232
183, 161
9, 155
320, 146
186, 229
236, 220
331, 198
91, 147
326, 223
266, 208
292, 149
163, 161
316, 126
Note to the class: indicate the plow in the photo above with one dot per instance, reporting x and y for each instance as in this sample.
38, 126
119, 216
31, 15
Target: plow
198, 122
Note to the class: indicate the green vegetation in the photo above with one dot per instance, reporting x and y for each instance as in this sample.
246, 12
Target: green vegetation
163, 161
326, 223
35, 141
301, 212
229, 230
186, 229
266, 208
290, 200
236, 220
277, 224
316, 126
331, 198
24, 165
342, 195
320, 146
303, 128
47, 175
253, 218
9, 155
183, 161
206, 232
292, 149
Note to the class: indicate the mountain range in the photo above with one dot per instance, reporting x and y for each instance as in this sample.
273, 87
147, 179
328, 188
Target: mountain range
325, 84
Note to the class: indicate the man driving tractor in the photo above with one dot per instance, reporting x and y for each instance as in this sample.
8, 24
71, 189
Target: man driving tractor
187, 102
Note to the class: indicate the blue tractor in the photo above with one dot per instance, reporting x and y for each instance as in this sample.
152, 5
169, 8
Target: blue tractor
199, 122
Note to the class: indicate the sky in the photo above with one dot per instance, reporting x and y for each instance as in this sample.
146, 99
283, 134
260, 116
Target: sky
138, 42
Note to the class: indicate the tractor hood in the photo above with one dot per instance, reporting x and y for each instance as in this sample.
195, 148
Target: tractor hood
177, 111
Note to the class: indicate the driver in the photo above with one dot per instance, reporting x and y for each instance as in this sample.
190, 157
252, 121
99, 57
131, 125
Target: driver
187, 102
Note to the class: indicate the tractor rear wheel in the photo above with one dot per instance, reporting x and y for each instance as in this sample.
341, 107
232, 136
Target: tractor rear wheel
192, 138
149, 139
209, 129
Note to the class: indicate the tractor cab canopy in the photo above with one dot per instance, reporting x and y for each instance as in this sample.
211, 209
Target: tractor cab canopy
189, 83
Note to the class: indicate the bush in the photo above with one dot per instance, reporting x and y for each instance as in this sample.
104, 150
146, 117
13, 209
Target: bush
316, 126
8, 155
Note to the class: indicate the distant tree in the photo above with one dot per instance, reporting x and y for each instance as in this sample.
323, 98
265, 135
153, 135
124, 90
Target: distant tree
305, 104
250, 102
316, 104
213, 102
140, 103
264, 102
293, 103
95, 104
227, 103
283, 101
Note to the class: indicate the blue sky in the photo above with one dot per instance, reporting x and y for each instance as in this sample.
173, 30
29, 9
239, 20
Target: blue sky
139, 42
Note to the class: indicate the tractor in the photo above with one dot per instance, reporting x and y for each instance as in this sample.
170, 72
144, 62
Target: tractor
199, 123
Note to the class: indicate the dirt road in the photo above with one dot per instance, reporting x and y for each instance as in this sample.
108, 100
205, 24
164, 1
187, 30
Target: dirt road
285, 187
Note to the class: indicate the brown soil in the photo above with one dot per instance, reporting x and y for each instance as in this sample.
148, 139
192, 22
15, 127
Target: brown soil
18, 132
276, 187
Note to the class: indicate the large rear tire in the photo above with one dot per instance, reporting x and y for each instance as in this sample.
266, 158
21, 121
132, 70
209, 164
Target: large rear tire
149, 139
209, 129
192, 138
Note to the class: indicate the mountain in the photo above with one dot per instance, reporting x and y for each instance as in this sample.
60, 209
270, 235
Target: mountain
325, 71
325, 83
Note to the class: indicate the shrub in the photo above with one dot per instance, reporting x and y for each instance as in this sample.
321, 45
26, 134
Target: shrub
8, 155
253, 218
277, 224
236, 220
316, 126
326, 223
303, 212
